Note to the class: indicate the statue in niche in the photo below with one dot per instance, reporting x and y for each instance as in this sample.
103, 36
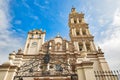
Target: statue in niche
46, 58
58, 46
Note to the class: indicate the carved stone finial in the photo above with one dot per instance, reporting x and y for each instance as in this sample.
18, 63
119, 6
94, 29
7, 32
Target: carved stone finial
12, 55
19, 51
73, 10
13, 52
99, 50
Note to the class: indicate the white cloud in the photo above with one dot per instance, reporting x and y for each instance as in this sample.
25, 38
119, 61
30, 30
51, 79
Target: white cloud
4, 14
7, 40
116, 20
104, 21
111, 43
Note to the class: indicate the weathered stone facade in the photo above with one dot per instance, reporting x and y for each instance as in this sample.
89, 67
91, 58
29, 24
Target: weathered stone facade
57, 59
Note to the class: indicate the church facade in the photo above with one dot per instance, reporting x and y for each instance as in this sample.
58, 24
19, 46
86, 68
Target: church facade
58, 58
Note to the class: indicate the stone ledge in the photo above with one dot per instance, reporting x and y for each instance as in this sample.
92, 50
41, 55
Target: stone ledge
84, 63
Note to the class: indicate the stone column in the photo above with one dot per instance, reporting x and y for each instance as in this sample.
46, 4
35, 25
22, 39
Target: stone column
73, 32
85, 71
67, 46
81, 31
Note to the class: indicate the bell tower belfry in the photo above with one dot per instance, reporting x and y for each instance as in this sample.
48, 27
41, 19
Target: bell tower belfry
79, 32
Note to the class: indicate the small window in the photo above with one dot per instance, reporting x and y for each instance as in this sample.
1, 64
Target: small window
75, 21
77, 33
84, 33
36, 32
79, 21
80, 46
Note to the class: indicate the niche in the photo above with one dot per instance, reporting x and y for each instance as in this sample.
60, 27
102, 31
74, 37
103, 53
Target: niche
80, 46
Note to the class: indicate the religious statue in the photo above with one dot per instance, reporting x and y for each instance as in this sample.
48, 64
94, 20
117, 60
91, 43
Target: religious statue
46, 58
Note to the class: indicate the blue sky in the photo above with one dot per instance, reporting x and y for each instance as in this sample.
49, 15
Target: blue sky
17, 17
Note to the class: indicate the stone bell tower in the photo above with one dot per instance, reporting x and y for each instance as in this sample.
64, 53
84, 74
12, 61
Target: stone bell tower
34, 42
79, 32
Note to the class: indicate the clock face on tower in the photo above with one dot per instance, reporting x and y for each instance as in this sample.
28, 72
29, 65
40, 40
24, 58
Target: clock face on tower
34, 44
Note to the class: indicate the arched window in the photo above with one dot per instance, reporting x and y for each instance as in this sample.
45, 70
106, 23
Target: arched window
80, 46
79, 21
84, 31
75, 21
77, 32
88, 47
36, 32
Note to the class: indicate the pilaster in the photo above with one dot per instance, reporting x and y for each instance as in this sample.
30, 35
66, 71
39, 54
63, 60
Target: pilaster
85, 71
81, 31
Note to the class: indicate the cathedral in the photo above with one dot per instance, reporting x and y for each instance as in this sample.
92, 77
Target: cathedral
58, 58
